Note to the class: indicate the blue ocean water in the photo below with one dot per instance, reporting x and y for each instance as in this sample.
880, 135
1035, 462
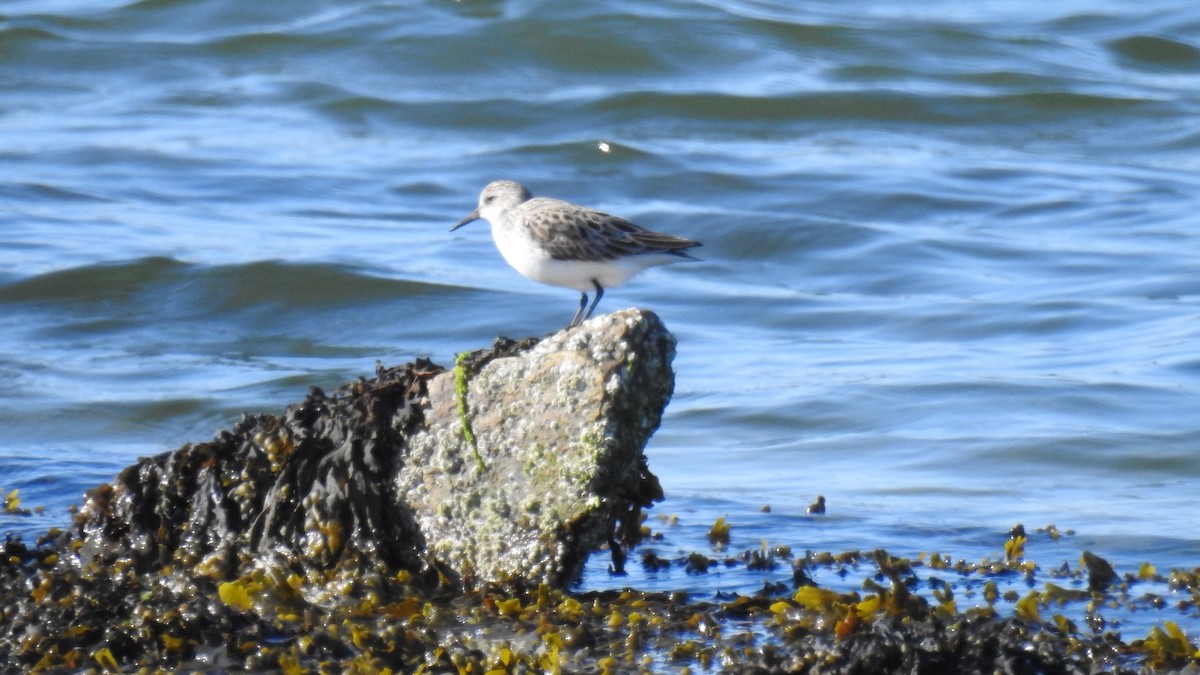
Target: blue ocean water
950, 250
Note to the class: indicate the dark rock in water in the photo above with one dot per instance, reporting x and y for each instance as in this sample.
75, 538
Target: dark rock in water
513, 467
1100, 572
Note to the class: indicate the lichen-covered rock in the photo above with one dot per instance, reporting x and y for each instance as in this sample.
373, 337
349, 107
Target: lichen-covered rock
529, 462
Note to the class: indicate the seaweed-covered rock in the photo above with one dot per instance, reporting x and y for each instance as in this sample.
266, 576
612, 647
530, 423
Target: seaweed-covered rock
512, 467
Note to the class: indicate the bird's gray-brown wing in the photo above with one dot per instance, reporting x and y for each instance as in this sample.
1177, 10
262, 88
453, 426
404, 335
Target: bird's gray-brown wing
571, 232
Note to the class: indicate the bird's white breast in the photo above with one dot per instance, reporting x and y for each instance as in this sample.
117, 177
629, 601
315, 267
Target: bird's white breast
524, 254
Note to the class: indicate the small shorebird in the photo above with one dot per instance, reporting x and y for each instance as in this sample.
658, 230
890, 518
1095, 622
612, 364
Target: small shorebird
563, 244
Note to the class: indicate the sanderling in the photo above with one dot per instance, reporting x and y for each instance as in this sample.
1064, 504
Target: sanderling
563, 244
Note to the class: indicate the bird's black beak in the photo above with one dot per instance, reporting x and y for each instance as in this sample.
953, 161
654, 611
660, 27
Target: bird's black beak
471, 217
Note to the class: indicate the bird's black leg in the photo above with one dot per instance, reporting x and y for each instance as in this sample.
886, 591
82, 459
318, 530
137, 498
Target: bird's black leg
596, 301
579, 312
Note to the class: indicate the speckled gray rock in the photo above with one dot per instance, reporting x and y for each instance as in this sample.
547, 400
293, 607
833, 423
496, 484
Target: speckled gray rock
556, 469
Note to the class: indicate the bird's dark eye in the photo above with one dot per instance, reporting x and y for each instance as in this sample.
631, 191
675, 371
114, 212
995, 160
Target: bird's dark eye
489, 199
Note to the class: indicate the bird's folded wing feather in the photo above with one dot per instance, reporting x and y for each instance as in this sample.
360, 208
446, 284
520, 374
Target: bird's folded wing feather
570, 232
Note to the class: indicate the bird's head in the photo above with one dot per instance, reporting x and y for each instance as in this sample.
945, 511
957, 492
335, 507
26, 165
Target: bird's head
498, 197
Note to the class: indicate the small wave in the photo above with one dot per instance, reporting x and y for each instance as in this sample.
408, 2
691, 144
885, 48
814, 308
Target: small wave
1150, 52
154, 282
89, 283
49, 194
